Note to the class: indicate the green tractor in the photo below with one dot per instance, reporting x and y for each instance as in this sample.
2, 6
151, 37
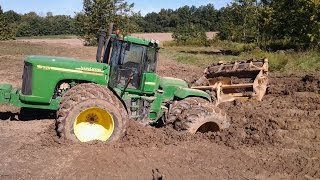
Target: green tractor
95, 100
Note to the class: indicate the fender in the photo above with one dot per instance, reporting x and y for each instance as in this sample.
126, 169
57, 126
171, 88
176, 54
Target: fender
178, 88
183, 93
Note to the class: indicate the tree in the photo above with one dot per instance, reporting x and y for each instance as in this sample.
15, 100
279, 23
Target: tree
49, 14
239, 21
12, 17
33, 23
135, 20
168, 20
207, 17
296, 22
152, 23
286, 24
189, 35
6, 32
24, 30
97, 14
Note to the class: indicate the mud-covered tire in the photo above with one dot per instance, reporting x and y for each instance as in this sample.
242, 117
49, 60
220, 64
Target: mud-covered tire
73, 90
84, 96
197, 115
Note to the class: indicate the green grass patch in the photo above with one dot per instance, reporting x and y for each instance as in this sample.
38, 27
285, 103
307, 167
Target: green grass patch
217, 44
50, 37
278, 61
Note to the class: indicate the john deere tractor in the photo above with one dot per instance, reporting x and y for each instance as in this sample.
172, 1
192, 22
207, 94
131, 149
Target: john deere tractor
95, 100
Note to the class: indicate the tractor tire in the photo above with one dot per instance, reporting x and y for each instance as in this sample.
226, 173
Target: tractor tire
91, 112
197, 115
75, 89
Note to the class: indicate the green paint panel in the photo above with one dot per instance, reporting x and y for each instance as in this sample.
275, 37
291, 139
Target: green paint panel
156, 111
177, 88
6, 88
5, 95
169, 82
13, 98
150, 83
48, 71
183, 93
137, 40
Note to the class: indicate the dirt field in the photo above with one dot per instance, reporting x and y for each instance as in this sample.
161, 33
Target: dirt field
77, 42
278, 138
166, 36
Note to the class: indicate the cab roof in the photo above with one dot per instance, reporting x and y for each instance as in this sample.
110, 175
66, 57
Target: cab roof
137, 40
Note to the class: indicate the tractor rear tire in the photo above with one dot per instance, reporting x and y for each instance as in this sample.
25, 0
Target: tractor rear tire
197, 115
73, 90
91, 112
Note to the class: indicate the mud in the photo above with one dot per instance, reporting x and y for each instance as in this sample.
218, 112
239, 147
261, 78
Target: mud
278, 138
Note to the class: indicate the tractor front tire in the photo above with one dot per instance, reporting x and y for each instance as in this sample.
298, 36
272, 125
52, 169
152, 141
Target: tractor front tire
90, 113
195, 114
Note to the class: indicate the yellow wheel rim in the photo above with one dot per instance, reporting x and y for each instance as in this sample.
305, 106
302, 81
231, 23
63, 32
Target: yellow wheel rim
93, 124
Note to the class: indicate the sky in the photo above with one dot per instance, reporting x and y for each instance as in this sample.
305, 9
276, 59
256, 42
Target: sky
69, 7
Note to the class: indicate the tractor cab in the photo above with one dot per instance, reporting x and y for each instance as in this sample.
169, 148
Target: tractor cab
132, 61
129, 61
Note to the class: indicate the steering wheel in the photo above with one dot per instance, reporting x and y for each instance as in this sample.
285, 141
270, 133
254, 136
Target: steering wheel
124, 73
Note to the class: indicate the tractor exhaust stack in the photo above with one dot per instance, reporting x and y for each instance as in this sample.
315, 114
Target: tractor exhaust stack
103, 42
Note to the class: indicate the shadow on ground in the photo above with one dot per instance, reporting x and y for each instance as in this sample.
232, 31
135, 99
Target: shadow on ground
27, 114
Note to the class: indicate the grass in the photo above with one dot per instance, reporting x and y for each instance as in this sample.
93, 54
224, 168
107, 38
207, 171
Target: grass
50, 37
233, 46
20, 50
281, 61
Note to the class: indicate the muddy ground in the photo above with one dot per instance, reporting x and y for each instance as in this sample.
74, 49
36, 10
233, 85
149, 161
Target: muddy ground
278, 138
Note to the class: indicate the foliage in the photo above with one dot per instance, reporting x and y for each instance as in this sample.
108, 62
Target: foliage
297, 21
12, 16
168, 19
97, 14
238, 21
31, 24
6, 31
272, 24
283, 61
189, 35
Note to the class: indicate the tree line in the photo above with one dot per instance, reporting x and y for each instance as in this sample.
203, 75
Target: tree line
271, 24
167, 20
30, 24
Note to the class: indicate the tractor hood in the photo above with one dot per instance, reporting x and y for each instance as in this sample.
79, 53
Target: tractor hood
49, 62
43, 74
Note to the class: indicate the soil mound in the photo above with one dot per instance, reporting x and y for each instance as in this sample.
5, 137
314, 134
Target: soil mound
288, 114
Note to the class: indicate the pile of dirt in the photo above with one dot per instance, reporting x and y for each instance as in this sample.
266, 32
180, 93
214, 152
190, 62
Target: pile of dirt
289, 113
288, 84
280, 118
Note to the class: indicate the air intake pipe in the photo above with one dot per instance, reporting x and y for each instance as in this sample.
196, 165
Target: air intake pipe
103, 43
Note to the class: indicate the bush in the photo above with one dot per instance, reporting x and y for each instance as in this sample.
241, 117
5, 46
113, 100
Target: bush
6, 31
190, 35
